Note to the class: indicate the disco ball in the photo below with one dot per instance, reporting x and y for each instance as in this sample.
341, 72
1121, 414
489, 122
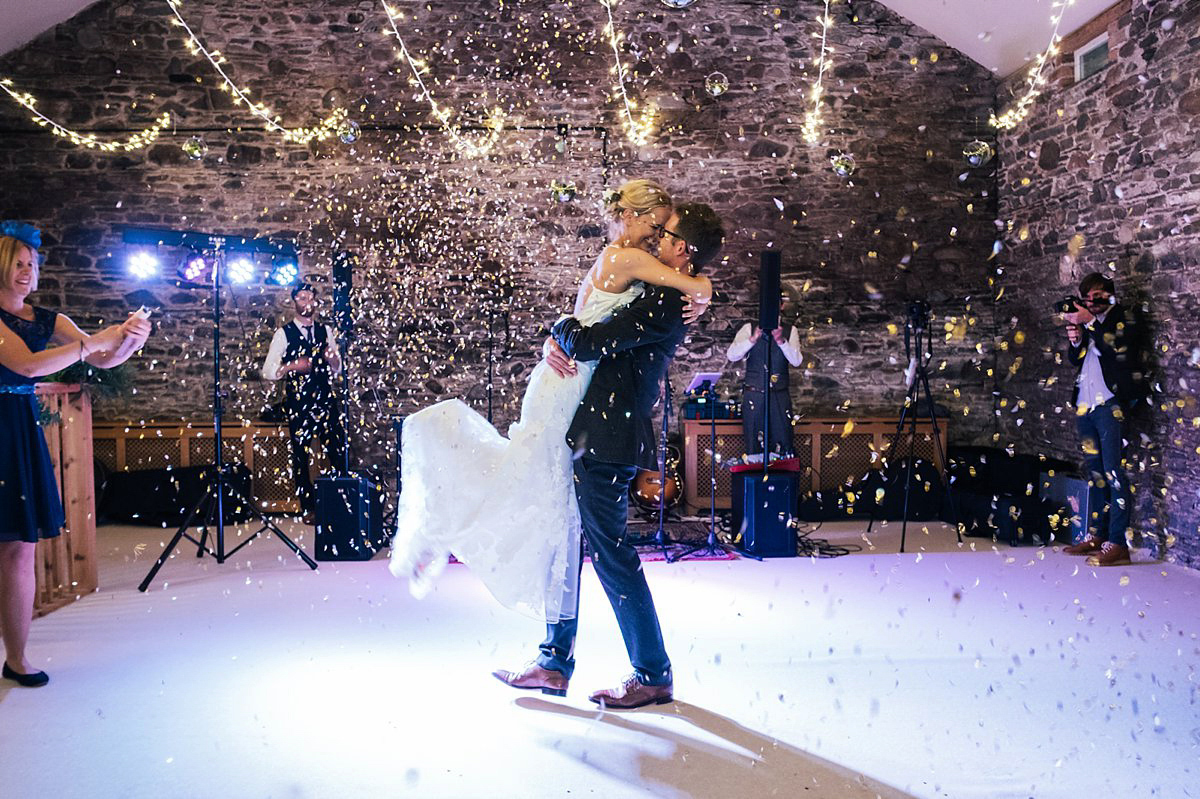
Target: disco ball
347, 131
195, 148
716, 84
677, 3
563, 192
978, 153
843, 165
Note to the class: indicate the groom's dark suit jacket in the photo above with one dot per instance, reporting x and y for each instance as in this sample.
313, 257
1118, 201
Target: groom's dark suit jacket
614, 422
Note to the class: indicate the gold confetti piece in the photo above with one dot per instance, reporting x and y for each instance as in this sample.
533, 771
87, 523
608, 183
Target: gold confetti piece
848, 428
1075, 245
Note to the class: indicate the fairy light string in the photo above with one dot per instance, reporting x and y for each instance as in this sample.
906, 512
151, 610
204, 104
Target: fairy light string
637, 130
494, 122
137, 141
327, 128
811, 130
1036, 81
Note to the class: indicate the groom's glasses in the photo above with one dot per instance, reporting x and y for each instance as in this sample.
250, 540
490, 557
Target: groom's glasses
663, 233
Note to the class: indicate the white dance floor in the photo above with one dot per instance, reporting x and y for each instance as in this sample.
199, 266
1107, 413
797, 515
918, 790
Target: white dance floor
991, 673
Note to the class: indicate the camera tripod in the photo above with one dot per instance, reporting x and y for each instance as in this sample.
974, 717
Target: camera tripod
918, 348
209, 508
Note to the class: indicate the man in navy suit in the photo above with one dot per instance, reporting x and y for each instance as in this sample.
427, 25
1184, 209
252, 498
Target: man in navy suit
612, 435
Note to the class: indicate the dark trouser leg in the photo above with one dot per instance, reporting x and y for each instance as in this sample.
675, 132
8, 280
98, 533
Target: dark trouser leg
781, 423
1093, 469
557, 652
300, 431
1107, 422
752, 423
328, 427
603, 493
1100, 436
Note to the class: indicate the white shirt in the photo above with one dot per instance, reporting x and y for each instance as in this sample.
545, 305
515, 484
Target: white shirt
274, 361
1092, 390
742, 345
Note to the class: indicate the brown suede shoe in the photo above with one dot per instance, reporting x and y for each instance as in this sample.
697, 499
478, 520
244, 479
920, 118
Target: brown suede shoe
1088, 546
534, 676
1111, 555
632, 693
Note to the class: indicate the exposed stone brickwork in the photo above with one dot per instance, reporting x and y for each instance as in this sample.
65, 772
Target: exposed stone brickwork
912, 222
1103, 176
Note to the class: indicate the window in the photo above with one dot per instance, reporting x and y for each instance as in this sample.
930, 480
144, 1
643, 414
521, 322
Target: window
1091, 58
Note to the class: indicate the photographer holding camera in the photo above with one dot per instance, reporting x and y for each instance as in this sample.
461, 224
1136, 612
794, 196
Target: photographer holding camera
1103, 349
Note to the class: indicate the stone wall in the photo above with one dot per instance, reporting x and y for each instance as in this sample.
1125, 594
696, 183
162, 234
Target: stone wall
1104, 175
911, 223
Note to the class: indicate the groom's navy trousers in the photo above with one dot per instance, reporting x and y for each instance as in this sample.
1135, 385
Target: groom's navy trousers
603, 493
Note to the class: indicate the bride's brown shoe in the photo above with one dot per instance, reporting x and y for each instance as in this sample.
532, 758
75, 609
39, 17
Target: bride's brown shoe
534, 677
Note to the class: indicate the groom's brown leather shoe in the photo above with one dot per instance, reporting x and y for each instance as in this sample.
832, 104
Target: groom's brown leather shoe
534, 676
632, 693
1088, 546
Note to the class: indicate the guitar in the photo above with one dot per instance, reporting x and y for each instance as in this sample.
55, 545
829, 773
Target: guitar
648, 484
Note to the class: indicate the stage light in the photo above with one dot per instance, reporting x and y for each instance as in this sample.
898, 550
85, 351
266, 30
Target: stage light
143, 264
196, 268
241, 270
284, 271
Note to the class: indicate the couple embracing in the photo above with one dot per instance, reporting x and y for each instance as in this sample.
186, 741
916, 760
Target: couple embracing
514, 509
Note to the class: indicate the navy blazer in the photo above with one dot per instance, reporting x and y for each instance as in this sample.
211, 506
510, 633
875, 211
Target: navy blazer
1117, 341
614, 422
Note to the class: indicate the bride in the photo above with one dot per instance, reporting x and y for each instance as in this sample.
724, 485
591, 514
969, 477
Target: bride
506, 507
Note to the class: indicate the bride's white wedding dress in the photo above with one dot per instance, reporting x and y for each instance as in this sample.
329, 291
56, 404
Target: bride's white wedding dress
504, 506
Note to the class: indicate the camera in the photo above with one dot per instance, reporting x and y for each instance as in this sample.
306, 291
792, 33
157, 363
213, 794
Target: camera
918, 314
1067, 305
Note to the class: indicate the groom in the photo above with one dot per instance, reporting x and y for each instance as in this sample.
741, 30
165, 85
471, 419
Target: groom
612, 435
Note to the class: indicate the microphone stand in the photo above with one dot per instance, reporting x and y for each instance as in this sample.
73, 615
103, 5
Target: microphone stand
712, 547
660, 538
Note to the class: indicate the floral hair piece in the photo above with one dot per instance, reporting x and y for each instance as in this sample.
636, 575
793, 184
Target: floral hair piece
22, 232
612, 197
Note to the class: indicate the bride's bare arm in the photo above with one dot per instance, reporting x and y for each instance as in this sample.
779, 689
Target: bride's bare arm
627, 265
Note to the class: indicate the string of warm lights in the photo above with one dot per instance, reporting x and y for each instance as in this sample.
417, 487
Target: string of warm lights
1036, 81
137, 141
811, 129
638, 131
327, 128
494, 123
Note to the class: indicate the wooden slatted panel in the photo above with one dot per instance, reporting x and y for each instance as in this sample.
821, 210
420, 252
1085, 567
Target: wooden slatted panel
65, 566
264, 449
152, 452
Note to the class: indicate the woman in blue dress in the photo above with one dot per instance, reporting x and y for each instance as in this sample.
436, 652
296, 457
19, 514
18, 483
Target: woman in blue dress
34, 342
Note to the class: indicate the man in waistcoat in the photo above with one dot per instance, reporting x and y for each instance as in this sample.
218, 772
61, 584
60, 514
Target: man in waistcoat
784, 353
305, 356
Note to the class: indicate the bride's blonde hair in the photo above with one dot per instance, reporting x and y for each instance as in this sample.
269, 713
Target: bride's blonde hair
639, 196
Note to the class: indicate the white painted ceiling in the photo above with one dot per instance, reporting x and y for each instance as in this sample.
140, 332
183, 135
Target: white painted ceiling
999, 34
1002, 35
24, 20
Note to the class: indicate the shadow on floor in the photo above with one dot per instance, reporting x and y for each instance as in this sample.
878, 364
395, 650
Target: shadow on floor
700, 769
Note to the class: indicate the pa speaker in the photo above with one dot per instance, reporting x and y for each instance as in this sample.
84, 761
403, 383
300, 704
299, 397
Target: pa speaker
349, 518
769, 290
767, 507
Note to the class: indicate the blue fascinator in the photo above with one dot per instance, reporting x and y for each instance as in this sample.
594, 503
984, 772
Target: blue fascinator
22, 231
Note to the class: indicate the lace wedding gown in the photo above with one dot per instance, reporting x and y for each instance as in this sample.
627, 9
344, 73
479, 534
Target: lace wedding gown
503, 506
